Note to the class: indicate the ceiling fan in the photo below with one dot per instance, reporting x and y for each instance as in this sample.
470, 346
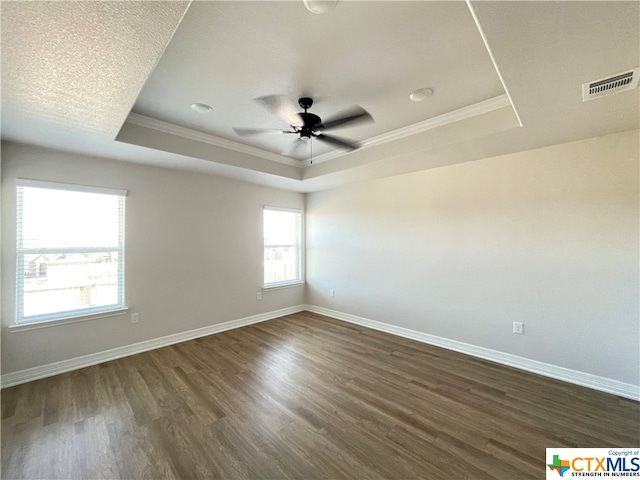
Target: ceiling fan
308, 125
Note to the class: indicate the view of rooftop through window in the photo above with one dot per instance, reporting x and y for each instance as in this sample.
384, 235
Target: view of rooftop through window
282, 247
70, 252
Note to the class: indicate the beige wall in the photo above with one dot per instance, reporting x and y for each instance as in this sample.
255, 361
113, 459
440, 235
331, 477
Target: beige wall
193, 253
546, 237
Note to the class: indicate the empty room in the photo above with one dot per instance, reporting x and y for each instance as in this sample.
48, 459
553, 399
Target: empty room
320, 239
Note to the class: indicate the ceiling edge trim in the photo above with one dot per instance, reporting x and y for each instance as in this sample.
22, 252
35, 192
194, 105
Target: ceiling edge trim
155, 64
170, 128
463, 113
495, 64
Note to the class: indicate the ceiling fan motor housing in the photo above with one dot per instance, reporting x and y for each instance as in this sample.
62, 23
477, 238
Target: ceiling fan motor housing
307, 125
311, 121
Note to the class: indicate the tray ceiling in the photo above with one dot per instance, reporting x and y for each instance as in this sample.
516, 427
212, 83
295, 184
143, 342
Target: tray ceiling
117, 79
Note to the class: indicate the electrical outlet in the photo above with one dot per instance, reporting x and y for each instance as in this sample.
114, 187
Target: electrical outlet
518, 328
135, 317
332, 293
259, 296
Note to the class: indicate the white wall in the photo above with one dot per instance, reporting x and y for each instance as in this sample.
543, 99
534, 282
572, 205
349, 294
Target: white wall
193, 254
546, 237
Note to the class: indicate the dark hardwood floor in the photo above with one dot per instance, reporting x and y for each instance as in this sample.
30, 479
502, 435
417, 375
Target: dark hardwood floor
302, 396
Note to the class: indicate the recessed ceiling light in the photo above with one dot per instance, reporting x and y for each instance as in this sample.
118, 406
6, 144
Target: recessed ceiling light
320, 7
201, 107
421, 94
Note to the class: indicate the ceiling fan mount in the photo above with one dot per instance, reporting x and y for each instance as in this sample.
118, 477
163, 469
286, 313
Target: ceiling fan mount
308, 125
305, 103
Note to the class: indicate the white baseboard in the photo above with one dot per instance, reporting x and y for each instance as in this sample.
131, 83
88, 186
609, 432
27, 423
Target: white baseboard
595, 382
51, 369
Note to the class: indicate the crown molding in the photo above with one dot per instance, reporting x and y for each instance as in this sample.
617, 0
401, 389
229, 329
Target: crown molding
446, 118
173, 129
463, 113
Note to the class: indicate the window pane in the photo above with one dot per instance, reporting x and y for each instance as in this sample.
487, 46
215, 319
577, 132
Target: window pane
281, 264
280, 228
69, 281
70, 252
282, 247
63, 218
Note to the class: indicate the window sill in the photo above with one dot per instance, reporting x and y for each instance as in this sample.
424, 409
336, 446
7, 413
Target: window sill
21, 327
282, 285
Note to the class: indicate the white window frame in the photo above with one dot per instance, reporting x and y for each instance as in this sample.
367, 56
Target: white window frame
21, 251
301, 250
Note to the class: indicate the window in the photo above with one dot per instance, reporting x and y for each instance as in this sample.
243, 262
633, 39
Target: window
282, 247
70, 251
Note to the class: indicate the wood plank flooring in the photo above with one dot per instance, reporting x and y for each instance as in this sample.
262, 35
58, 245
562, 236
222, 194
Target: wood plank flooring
302, 396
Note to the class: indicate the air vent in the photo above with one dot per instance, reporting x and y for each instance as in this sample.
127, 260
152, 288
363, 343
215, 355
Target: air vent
617, 83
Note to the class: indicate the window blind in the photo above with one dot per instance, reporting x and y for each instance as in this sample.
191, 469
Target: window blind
283, 248
70, 250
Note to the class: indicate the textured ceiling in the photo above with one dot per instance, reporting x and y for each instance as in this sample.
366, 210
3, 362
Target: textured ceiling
72, 71
82, 64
